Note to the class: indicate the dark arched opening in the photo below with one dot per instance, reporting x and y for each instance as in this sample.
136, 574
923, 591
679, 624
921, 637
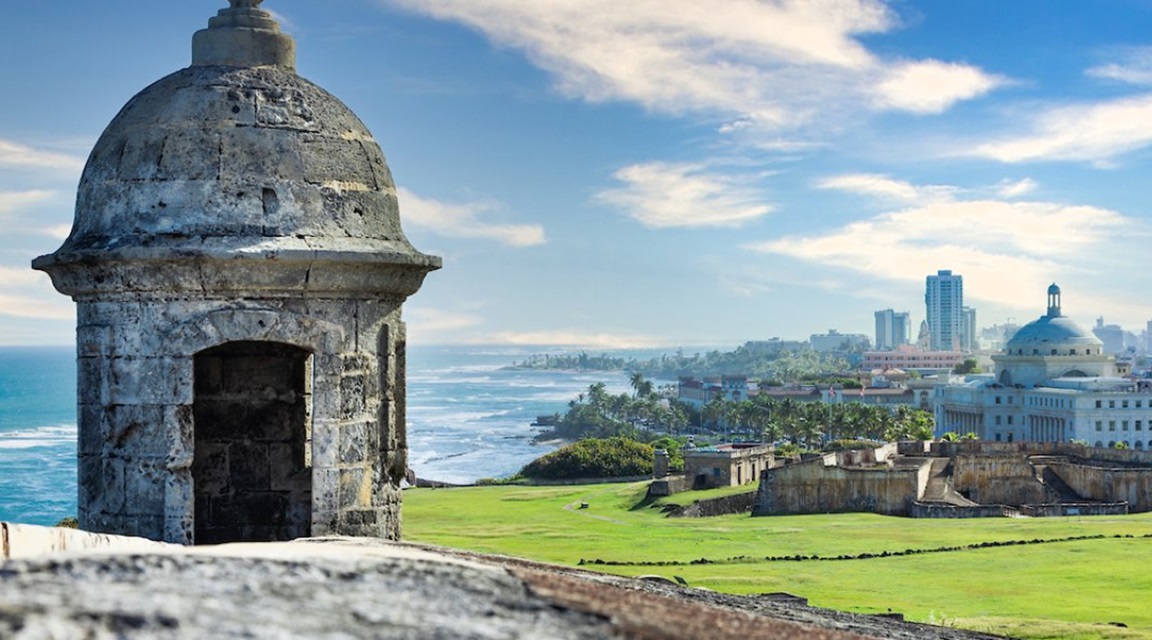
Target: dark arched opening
252, 421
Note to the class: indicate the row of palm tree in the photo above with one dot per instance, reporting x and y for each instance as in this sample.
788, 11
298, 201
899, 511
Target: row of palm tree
809, 424
644, 412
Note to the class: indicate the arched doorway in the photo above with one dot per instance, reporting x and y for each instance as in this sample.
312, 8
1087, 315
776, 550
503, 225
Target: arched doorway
252, 421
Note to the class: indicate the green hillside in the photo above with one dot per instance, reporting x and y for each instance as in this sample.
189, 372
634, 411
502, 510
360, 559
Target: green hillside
954, 572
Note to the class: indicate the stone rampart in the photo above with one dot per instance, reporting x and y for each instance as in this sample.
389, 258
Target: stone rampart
1055, 510
664, 487
951, 511
727, 505
1108, 484
997, 479
813, 487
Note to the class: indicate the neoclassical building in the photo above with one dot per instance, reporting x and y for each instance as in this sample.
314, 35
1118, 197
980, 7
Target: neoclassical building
1052, 383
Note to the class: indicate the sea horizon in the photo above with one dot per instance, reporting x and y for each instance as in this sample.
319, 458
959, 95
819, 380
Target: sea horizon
469, 417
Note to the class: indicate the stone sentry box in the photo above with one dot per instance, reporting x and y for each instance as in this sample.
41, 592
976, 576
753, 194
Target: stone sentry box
239, 269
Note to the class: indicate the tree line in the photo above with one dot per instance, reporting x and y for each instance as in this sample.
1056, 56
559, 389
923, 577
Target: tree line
644, 414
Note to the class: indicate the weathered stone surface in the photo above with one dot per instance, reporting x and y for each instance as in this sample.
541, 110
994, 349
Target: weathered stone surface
342, 588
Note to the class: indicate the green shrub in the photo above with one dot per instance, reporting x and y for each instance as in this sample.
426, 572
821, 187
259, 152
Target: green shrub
593, 458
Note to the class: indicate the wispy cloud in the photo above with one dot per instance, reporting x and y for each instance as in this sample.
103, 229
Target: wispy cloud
463, 221
661, 195
983, 239
1017, 188
25, 293
14, 155
12, 201
1095, 132
572, 339
1134, 67
882, 186
772, 63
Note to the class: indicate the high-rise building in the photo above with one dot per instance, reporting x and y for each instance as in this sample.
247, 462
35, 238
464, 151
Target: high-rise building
893, 328
968, 330
944, 302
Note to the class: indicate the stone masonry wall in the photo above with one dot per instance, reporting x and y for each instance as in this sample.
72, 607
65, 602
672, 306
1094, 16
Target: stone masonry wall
1007, 479
136, 400
1106, 484
814, 488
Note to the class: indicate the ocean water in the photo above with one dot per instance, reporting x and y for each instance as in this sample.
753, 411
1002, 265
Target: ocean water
469, 417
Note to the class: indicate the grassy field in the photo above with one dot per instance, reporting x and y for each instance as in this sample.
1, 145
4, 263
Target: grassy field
1057, 588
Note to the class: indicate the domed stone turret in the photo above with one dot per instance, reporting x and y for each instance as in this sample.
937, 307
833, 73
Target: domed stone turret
239, 268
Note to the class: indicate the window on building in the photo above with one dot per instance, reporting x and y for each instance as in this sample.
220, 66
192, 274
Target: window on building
1009, 419
1138, 403
1097, 404
1124, 425
997, 437
1111, 425
997, 421
1124, 404
1099, 425
1053, 352
1111, 404
1010, 399
997, 399
1139, 425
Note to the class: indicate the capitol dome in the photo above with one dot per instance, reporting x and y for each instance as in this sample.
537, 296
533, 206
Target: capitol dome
1052, 331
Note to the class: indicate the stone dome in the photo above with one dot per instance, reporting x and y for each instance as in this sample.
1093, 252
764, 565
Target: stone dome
1051, 331
236, 156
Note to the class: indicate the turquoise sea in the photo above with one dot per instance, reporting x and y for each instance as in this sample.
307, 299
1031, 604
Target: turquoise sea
469, 417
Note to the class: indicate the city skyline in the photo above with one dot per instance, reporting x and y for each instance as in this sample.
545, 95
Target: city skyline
604, 175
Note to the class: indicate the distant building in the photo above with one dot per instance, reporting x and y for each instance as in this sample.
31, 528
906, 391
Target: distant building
892, 328
836, 341
733, 388
1115, 338
944, 306
1053, 382
912, 358
775, 345
968, 341
726, 465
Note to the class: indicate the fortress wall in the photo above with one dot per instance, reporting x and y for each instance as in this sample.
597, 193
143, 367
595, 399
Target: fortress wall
815, 488
997, 479
1133, 486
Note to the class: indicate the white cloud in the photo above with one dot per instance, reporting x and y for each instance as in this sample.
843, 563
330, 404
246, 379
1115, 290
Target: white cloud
12, 201
574, 339
1001, 248
661, 195
774, 63
1087, 132
18, 156
932, 86
1015, 189
25, 293
887, 188
436, 321
1136, 67
463, 221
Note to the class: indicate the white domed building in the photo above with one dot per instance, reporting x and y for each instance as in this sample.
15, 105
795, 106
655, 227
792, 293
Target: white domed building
1052, 383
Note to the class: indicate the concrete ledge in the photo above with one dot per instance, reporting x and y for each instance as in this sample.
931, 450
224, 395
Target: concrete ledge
28, 541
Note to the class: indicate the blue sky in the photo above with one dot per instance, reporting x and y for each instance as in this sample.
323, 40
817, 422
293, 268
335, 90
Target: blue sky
665, 172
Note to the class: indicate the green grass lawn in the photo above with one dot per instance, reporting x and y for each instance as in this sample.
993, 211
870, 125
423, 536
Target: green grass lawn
1070, 589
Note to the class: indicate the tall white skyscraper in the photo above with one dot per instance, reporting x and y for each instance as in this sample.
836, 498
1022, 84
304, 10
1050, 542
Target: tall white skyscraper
893, 328
944, 302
